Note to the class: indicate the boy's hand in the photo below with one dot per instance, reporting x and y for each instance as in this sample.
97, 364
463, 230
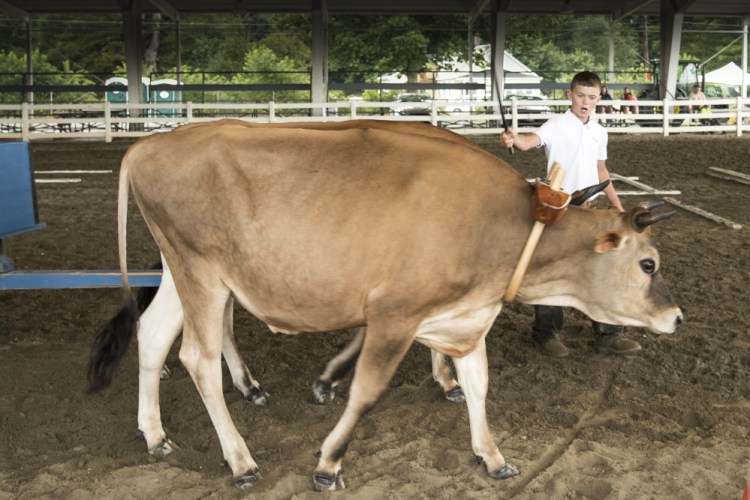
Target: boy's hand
508, 137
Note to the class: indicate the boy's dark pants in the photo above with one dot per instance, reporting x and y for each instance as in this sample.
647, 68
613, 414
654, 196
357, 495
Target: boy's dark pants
549, 320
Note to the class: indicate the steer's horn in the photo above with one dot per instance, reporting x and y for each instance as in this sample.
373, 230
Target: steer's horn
580, 196
644, 219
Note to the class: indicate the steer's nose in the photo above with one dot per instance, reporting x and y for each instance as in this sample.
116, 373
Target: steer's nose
678, 321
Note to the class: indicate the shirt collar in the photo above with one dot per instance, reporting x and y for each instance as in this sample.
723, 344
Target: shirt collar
573, 118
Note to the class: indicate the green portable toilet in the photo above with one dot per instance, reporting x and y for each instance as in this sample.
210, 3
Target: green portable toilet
117, 93
164, 95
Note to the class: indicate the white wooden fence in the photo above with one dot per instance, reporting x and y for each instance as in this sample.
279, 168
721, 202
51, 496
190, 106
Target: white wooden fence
108, 121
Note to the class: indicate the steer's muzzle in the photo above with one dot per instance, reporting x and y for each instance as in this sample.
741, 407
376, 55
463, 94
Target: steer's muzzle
667, 322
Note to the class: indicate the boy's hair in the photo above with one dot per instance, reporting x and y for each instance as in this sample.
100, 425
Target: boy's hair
586, 79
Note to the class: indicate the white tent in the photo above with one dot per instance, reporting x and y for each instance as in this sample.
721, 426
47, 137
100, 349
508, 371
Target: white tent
730, 75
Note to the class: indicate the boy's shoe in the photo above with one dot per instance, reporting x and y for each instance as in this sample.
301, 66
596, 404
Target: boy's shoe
552, 347
616, 344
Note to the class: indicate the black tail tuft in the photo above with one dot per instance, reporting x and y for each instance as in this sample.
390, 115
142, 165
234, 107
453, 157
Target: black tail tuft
146, 294
111, 344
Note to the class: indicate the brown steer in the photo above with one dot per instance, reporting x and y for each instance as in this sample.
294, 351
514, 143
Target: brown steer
413, 236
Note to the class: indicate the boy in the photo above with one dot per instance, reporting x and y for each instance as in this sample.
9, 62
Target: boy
579, 144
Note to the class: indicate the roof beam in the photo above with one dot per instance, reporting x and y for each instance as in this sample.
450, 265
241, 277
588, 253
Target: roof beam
480, 6
166, 8
477, 9
14, 11
682, 5
630, 9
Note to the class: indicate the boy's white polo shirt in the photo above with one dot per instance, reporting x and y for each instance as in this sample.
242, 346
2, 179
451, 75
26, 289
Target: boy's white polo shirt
576, 146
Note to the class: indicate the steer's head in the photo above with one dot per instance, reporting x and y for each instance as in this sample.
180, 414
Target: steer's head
603, 263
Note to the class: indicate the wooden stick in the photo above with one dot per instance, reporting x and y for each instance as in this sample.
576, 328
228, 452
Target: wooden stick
626, 180
648, 193
556, 175
730, 175
57, 181
699, 211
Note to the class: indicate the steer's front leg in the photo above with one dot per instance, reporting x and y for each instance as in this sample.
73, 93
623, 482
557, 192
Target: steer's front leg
381, 354
473, 377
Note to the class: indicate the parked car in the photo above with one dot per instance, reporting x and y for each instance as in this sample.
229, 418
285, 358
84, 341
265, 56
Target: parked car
413, 104
530, 104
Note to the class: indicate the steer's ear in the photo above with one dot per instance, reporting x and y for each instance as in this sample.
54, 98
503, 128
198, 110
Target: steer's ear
608, 240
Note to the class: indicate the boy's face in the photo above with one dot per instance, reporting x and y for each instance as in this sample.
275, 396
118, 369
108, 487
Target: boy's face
583, 101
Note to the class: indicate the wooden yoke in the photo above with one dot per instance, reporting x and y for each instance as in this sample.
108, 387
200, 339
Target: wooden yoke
542, 217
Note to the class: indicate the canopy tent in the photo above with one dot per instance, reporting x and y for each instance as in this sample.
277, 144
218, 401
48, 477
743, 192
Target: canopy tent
730, 74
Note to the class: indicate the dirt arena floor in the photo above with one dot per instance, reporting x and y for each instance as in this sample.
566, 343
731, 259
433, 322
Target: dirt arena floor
672, 422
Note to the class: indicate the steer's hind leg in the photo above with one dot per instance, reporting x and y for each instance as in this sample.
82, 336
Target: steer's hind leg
159, 326
380, 356
443, 375
204, 300
337, 368
472, 374
241, 377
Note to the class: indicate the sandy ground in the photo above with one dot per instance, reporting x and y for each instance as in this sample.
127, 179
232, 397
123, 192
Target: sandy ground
671, 422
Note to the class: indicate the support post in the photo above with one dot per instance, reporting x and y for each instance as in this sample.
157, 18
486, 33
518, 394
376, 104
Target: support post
29, 62
611, 55
745, 82
319, 70
499, 16
133, 27
671, 33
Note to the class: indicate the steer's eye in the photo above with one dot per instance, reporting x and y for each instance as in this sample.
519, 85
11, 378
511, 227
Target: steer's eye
648, 266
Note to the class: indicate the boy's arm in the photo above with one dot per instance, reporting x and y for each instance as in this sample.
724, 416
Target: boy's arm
522, 142
609, 190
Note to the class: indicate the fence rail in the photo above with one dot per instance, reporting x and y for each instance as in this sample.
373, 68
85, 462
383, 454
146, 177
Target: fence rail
114, 120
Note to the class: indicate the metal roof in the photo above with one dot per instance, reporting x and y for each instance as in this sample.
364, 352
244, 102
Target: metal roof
616, 8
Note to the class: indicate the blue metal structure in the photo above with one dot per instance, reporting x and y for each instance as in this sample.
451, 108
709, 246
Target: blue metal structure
33, 280
19, 214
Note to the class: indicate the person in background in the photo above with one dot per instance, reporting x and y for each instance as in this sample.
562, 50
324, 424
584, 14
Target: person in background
579, 144
627, 95
604, 96
696, 95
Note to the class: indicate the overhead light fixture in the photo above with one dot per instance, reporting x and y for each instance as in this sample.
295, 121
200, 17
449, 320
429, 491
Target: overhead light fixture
567, 8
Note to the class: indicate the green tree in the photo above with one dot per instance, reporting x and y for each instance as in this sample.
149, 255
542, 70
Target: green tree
262, 65
13, 71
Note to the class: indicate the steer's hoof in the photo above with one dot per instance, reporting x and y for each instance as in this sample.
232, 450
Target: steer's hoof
162, 449
455, 395
505, 472
322, 390
324, 482
247, 481
165, 373
258, 397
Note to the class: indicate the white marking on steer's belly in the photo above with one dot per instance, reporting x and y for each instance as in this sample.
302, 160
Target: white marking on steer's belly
456, 331
281, 330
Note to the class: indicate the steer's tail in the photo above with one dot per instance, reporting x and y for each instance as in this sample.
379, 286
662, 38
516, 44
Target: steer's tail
112, 342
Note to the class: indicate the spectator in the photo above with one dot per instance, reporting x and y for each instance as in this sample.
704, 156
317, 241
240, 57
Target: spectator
627, 95
579, 143
604, 96
696, 95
